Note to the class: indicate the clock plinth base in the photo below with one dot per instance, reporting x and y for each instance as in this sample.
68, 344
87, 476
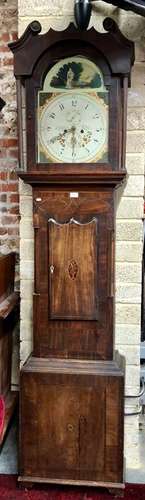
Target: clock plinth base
71, 422
117, 490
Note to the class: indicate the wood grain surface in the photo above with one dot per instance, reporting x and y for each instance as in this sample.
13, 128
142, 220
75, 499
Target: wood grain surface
71, 421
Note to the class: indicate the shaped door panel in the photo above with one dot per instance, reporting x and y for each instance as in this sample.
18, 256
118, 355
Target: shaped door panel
72, 269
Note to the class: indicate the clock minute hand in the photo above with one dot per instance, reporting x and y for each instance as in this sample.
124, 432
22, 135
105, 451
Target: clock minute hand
73, 139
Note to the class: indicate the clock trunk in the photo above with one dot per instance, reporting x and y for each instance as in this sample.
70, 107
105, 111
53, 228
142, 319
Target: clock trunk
74, 272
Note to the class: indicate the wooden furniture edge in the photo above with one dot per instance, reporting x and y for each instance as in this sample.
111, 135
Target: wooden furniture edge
111, 178
8, 304
55, 365
38, 479
10, 404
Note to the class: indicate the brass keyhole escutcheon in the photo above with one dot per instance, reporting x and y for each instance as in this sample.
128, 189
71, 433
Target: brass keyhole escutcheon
51, 269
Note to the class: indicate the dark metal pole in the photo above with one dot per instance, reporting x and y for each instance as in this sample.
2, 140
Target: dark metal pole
2, 103
137, 6
83, 9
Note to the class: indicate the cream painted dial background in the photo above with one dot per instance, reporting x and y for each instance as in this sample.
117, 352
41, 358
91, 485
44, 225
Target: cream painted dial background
73, 128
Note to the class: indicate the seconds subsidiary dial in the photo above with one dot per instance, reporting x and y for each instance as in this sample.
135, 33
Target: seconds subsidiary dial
73, 128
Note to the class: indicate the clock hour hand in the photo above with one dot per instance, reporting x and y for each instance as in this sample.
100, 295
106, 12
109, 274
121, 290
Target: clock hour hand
61, 135
73, 139
57, 137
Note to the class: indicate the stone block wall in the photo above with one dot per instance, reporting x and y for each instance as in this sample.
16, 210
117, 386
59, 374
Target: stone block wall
9, 198
129, 207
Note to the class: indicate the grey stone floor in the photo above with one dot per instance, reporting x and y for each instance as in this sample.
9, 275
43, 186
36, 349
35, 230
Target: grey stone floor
9, 455
9, 451
138, 475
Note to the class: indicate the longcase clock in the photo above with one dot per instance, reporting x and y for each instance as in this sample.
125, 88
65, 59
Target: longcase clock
72, 99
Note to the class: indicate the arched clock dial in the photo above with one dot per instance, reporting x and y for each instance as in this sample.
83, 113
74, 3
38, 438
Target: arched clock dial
73, 128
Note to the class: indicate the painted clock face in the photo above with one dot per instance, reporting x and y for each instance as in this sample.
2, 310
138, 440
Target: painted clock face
73, 128
73, 114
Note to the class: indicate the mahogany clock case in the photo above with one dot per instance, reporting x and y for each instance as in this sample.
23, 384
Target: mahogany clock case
71, 389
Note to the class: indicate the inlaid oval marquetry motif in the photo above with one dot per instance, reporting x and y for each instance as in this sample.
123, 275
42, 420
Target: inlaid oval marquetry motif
73, 269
